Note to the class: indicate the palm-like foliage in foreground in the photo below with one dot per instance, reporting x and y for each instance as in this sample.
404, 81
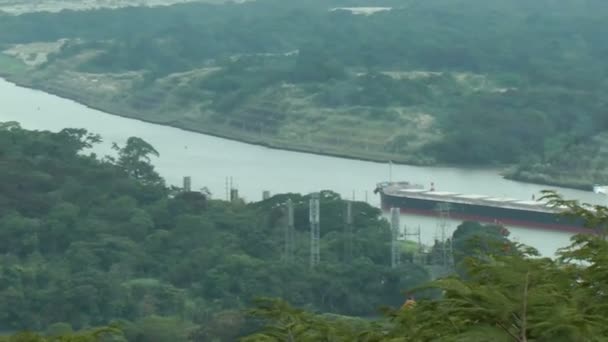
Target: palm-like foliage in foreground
513, 296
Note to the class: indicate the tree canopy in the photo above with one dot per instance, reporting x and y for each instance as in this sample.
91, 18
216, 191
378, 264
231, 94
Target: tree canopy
88, 242
85, 242
502, 296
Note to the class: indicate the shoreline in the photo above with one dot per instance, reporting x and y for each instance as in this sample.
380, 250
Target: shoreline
581, 187
56, 91
242, 139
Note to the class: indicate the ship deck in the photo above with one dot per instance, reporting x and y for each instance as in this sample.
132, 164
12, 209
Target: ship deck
399, 190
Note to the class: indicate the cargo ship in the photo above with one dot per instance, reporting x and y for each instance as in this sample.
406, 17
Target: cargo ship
416, 200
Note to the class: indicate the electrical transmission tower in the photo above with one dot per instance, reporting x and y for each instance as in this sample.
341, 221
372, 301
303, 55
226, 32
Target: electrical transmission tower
315, 231
187, 184
348, 232
419, 254
289, 231
443, 211
395, 250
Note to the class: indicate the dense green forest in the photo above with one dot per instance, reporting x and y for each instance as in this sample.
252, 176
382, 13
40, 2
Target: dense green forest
578, 164
467, 81
101, 250
88, 241
502, 292
504, 298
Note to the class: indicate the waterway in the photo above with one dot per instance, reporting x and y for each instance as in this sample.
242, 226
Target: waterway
253, 169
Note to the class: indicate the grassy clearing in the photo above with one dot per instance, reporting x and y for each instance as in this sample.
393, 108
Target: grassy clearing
10, 65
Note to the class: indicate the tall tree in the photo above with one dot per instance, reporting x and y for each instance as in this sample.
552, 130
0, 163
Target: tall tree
134, 159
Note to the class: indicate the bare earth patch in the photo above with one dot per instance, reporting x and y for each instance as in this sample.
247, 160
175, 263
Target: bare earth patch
411, 75
108, 84
362, 10
34, 54
17, 7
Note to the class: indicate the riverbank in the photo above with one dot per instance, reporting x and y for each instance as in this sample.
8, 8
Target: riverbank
210, 161
240, 136
220, 131
254, 84
542, 179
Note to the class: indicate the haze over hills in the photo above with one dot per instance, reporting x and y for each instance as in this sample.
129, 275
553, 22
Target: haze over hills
463, 82
103, 246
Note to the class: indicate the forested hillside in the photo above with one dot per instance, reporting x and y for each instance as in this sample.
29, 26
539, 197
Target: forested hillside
504, 292
464, 82
577, 164
87, 242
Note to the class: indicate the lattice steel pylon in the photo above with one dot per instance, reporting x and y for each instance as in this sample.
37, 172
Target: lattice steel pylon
187, 187
289, 231
408, 234
348, 232
395, 230
315, 231
443, 211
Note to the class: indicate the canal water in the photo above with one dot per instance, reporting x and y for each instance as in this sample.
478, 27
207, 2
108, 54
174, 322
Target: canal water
210, 161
